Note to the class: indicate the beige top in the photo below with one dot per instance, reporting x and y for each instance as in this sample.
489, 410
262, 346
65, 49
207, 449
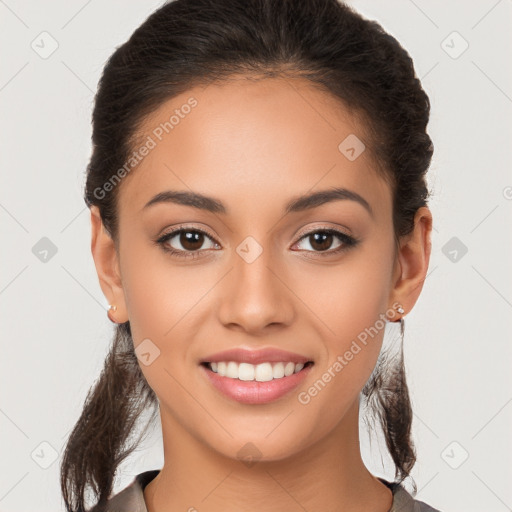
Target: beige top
131, 498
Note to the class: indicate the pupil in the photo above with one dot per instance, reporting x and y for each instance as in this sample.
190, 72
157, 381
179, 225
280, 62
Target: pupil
191, 240
319, 241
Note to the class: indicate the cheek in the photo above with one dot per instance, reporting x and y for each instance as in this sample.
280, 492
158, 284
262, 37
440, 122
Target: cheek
349, 297
349, 303
353, 343
159, 293
167, 305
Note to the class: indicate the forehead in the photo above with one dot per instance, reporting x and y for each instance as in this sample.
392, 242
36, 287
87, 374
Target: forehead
265, 140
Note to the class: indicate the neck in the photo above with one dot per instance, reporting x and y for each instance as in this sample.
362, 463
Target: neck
328, 475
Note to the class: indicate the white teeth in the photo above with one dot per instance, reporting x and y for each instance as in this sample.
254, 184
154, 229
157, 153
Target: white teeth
232, 370
289, 369
278, 370
221, 369
263, 372
244, 371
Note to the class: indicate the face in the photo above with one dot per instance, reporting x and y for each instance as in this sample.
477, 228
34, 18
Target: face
254, 267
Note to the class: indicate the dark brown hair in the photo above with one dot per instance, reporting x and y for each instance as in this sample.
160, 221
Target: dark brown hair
191, 42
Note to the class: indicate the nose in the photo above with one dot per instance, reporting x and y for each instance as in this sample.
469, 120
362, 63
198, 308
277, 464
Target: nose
255, 297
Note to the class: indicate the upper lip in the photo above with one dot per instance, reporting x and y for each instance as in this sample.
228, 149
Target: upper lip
242, 355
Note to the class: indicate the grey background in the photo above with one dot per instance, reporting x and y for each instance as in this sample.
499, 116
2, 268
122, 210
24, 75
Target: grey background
55, 331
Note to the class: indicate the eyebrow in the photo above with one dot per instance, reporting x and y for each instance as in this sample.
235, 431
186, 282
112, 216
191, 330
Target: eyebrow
297, 204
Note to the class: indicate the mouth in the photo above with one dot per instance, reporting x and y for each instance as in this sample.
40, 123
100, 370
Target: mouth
250, 376
263, 372
255, 384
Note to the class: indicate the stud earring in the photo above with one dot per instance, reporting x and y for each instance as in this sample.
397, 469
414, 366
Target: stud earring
111, 308
401, 310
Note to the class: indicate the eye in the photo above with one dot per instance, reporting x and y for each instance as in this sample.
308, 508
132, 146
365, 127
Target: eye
186, 242
321, 240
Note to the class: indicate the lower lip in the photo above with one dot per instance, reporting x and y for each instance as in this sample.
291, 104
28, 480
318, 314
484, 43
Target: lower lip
253, 392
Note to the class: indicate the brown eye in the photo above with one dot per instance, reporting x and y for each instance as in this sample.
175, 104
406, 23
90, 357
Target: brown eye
323, 241
186, 242
191, 240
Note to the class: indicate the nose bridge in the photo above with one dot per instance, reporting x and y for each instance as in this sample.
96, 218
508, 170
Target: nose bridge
256, 295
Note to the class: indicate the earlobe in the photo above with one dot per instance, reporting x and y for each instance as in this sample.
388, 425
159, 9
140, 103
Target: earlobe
414, 258
106, 262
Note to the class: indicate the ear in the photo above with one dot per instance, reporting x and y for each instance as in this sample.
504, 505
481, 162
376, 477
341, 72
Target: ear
412, 261
107, 266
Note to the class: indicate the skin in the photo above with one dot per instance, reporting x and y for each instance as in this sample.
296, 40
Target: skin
255, 146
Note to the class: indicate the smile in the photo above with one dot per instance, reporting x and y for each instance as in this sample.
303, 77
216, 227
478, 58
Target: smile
262, 372
255, 384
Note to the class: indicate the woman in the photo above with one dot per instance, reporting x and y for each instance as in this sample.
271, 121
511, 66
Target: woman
259, 215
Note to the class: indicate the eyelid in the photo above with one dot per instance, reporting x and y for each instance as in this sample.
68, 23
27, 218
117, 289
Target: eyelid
163, 240
314, 229
299, 236
182, 227
338, 232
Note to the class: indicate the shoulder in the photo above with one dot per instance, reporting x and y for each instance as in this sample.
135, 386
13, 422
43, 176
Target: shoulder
131, 498
404, 502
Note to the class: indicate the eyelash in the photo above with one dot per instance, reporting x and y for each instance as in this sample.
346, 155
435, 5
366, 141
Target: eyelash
347, 241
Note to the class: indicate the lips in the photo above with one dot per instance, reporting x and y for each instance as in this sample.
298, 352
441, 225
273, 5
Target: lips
243, 375
254, 392
265, 355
